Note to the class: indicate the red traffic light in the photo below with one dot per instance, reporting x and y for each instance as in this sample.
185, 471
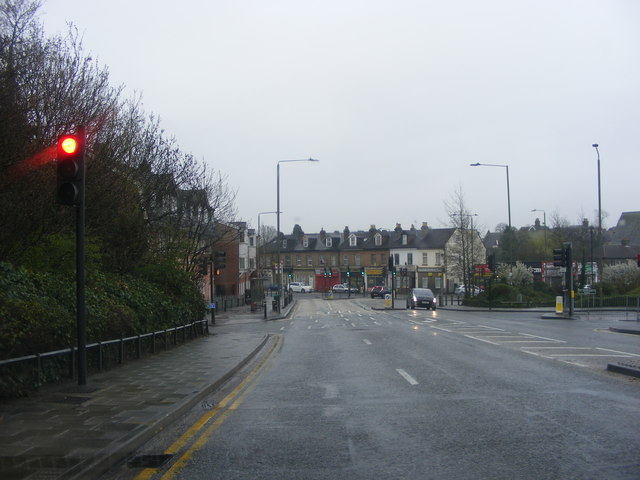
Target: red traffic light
68, 144
70, 171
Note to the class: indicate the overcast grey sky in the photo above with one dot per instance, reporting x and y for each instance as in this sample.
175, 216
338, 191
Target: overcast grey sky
396, 98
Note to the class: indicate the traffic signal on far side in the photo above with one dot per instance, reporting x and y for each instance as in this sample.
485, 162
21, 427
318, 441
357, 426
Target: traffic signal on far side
362, 269
219, 262
491, 260
559, 259
70, 168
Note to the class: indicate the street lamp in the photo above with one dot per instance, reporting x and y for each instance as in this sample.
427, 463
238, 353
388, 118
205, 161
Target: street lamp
544, 223
508, 203
508, 188
595, 145
279, 242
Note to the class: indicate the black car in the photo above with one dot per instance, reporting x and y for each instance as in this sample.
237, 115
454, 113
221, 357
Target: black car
379, 291
421, 297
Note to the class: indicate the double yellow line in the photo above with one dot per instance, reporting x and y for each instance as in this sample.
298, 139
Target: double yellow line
222, 410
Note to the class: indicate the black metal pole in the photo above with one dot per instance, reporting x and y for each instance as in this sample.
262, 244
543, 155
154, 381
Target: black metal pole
211, 302
80, 279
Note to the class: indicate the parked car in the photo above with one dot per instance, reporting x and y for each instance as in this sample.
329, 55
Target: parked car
461, 290
379, 291
588, 290
340, 288
421, 297
299, 287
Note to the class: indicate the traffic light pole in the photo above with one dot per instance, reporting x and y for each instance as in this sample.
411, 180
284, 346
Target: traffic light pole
81, 319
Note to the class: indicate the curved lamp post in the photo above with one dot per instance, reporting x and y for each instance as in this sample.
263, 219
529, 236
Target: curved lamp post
595, 145
508, 188
279, 242
506, 167
544, 223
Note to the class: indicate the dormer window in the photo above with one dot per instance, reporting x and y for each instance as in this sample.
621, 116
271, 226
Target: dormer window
404, 239
353, 240
328, 242
305, 242
284, 244
377, 239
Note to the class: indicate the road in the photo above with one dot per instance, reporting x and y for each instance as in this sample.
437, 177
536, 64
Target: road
350, 392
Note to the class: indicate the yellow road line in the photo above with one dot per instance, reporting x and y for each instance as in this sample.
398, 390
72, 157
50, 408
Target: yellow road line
187, 436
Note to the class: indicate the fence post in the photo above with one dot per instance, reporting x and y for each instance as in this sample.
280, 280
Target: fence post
72, 363
38, 370
99, 356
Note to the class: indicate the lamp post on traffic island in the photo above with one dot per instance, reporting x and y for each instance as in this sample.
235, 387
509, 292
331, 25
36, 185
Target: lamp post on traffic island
506, 167
279, 241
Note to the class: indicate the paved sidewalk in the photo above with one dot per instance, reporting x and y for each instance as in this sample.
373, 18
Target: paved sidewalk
69, 432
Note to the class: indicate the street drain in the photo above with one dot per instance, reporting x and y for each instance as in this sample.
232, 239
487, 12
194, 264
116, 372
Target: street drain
148, 461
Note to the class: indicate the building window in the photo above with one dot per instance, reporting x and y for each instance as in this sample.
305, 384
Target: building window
305, 242
425, 259
396, 259
353, 241
287, 260
252, 263
328, 242
309, 261
251, 240
334, 260
345, 260
357, 259
321, 259
373, 260
298, 260
404, 239
284, 244
410, 258
438, 258
378, 239
241, 263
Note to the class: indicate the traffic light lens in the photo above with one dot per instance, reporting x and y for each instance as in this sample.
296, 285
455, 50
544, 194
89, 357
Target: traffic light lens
68, 193
69, 145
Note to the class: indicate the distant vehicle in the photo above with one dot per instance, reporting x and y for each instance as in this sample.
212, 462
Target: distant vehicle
379, 291
421, 297
354, 290
299, 287
340, 288
588, 290
461, 290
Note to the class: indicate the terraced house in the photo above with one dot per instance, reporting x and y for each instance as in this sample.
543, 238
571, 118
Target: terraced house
424, 257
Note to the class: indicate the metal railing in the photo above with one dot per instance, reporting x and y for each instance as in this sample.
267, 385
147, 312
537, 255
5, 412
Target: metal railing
30, 372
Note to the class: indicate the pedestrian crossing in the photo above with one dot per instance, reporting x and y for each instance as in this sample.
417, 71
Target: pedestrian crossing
536, 345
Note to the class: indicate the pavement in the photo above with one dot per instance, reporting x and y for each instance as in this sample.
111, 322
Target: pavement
71, 432
68, 431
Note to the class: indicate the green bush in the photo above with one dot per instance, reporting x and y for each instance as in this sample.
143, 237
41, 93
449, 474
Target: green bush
37, 310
